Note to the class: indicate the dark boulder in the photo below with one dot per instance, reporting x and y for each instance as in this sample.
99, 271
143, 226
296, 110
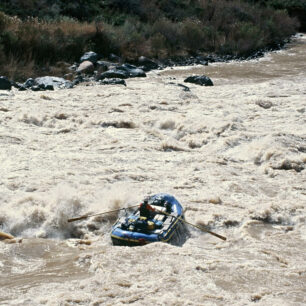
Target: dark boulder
37, 88
126, 67
115, 58
46, 86
16, 84
199, 80
113, 82
42, 87
104, 66
5, 83
200, 60
147, 64
131, 70
28, 83
73, 67
122, 72
110, 74
77, 80
90, 56
137, 73
47, 82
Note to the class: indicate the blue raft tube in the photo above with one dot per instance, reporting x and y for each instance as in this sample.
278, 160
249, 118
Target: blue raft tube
136, 230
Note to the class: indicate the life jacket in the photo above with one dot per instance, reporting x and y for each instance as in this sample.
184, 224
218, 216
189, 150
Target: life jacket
144, 224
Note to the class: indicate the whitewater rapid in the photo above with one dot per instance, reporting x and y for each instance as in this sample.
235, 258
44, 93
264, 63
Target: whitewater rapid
234, 155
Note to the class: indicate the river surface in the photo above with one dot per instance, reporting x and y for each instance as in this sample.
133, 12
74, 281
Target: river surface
233, 154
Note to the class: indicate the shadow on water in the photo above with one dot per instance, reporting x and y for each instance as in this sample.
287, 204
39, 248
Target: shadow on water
35, 261
181, 235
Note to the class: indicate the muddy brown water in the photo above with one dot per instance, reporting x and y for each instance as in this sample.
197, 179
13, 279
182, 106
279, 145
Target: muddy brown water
233, 154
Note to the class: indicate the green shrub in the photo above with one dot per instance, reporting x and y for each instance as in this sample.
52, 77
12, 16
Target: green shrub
158, 45
171, 31
62, 30
4, 20
287, 4
193, 36
243, 39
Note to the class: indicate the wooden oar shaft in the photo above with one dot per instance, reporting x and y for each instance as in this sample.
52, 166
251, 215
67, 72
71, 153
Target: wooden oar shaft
205, 230
99, 214
199, 227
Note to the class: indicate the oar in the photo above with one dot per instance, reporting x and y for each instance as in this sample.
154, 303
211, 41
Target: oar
4, 236
99, 214
199, 227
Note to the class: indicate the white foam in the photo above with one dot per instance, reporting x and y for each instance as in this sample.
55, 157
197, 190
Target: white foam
223, 156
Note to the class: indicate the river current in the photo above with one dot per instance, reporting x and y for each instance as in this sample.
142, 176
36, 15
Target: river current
233, 154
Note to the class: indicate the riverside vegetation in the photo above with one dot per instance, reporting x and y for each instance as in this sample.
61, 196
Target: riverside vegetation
37, 38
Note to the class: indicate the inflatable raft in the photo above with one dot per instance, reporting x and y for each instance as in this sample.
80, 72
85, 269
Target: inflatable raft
136, 230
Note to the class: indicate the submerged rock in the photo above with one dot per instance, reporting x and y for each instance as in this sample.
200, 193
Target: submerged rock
185, 88
119, 124
264, 104
113, 81
290, 165
215, 200
202, 80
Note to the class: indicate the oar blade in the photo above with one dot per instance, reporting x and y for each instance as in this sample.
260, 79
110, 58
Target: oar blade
217, 235
197, 226
4, 236
78, 218
208, 231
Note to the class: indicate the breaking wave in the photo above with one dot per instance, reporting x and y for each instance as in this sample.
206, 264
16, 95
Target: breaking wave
46, 217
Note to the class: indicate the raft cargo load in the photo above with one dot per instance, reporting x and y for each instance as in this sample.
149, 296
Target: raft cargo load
136, 230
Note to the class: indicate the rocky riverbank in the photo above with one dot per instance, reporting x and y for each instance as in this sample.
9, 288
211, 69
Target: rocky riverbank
113, 70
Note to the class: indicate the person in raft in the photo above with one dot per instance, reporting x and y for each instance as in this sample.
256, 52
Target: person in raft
146, 210
145, 221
